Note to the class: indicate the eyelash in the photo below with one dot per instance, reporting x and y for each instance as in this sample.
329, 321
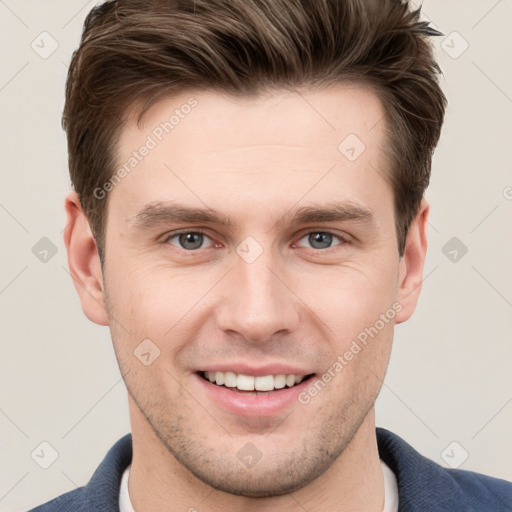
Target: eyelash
343, 240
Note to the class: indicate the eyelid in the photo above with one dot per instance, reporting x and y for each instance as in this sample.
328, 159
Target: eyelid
344, 238
172, 234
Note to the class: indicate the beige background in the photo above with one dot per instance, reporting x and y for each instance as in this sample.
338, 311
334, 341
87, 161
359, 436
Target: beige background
450, 375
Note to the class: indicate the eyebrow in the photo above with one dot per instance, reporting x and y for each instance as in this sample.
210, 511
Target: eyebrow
159, 213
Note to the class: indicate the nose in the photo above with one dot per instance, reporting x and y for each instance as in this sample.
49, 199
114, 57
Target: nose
258, 302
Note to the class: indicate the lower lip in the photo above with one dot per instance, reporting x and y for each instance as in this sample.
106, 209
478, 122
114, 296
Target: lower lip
252, 405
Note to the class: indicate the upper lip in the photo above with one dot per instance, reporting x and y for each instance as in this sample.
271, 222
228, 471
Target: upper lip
255, 371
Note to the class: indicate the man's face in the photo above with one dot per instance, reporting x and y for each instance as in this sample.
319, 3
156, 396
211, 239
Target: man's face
263, 296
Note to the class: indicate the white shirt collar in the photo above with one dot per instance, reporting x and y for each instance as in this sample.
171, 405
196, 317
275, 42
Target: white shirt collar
390, 491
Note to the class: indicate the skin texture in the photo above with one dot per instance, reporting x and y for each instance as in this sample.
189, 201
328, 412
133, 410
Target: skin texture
253, 160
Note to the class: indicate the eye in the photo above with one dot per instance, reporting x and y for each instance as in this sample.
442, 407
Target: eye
188, 240
322, 239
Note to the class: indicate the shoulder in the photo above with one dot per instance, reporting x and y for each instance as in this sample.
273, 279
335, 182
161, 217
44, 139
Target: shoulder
424, 485
73, 500
482, 489
102, 491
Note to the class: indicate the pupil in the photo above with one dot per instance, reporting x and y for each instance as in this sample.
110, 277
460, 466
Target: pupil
186, 238
324, 239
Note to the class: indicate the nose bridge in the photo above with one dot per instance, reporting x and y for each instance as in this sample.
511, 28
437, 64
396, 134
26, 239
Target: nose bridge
257, 304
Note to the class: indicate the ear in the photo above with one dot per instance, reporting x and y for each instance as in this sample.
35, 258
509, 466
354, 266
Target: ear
411, 264
84, 261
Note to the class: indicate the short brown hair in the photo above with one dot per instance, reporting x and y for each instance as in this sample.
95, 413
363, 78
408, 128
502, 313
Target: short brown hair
135, 52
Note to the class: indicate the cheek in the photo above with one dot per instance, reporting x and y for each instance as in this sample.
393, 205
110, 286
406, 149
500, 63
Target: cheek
152, 298
358, 304
162, 306
352, 296
161, 303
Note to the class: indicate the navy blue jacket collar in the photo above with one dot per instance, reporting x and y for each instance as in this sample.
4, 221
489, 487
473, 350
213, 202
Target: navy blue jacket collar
423, 485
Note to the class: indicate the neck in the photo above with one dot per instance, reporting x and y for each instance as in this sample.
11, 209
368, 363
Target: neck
353, 482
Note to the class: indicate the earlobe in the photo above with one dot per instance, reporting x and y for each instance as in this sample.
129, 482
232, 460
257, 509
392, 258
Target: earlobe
84, 262
412, 263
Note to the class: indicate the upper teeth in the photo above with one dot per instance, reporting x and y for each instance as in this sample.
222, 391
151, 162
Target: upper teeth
250, 383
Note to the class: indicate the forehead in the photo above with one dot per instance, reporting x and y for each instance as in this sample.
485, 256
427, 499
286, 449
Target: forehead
343, 108
211, 148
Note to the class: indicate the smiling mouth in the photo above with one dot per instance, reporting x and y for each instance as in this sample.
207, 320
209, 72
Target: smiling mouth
264, 384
